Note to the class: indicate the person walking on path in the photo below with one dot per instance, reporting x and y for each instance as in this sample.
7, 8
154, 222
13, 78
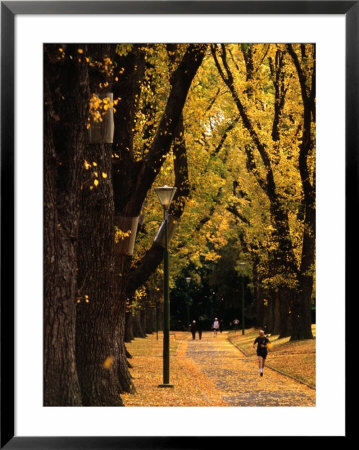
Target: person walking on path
236, 324
215, 326
221, 325
199, 328
262, 350
193, 328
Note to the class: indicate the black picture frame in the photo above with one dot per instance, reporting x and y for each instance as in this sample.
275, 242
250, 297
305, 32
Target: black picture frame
9, 9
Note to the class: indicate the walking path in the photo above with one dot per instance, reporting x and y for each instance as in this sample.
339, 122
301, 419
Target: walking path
236, 377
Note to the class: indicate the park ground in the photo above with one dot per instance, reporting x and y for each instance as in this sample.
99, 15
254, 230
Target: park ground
222, 371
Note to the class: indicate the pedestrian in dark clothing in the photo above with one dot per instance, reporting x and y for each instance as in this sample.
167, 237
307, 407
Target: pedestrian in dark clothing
199, 328
262, 350
193, 328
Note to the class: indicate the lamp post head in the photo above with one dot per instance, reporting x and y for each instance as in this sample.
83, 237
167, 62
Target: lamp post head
242, 266
188, 279
165, 195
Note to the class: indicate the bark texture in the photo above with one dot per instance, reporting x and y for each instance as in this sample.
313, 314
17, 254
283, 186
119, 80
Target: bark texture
66, 99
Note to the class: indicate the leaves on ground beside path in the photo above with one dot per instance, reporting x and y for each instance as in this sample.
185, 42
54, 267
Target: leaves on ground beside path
142, 346
294, 358
301, 367
190, 387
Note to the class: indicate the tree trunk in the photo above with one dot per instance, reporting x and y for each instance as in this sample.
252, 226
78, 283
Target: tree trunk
259, 305
98, 311
269, 315
149, 320
66, 95
276, 311
285, 295
137, 325
122, 266
301, 311
301, 307
61, 387
129, 327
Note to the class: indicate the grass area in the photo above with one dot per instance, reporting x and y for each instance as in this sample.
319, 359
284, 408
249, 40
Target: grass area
294, 358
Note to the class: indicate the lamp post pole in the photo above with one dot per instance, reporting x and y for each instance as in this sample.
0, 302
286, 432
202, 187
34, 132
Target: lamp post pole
156, 319
165, 195
242, 265
242, 304
188, 280
166, 311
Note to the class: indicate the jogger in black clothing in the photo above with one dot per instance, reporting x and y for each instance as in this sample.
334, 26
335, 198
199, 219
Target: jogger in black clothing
262, 350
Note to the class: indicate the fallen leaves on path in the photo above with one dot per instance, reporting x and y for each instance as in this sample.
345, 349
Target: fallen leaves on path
210, 372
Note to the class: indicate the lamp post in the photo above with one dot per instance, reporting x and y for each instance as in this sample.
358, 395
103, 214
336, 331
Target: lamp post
165, 195
242, 266
156, 319
188, 280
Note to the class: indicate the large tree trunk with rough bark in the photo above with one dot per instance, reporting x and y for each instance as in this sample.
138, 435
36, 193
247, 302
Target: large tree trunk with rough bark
99, 345
99, 309
66, 100
301, 306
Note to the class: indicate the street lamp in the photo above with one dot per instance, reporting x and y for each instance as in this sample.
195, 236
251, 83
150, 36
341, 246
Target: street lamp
165, 195
242, 266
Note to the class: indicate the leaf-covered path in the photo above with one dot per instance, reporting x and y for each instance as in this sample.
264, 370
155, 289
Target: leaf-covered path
236, 377
210, 372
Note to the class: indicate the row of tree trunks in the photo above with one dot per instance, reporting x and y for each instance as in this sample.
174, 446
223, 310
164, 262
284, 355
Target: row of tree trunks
273, 310
283, 261
140, 323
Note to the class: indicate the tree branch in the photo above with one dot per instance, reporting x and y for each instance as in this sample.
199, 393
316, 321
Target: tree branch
161, 144
233, 210
154, 255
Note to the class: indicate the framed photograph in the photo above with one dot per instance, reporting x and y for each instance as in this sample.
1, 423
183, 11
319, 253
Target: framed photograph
34, 38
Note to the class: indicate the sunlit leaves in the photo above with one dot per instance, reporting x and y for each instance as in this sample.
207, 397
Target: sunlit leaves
226, 201
98, 108
121, 235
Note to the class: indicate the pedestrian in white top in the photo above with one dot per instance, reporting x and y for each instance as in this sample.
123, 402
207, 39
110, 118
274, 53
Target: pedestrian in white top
215, 326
